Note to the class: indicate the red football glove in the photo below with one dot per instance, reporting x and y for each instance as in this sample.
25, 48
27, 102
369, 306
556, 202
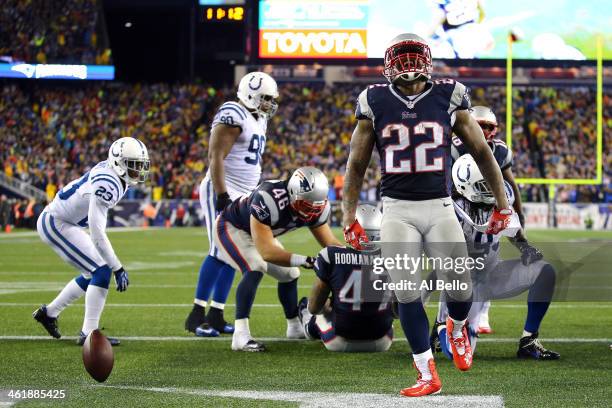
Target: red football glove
355, 235
499, 220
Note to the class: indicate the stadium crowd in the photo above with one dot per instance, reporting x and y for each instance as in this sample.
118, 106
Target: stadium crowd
50, 31
49, 134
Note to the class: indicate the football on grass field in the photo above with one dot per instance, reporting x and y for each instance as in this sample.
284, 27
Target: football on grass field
98, 357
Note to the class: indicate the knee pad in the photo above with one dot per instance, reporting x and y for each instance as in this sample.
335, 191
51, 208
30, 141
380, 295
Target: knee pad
82, 281
293, 274
101, 277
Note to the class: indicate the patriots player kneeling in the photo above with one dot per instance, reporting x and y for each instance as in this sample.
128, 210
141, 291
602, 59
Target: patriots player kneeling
81, 203
246, 231
498, 279
355, 323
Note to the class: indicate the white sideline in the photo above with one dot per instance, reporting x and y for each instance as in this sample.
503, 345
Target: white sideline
336, 400
498, 305
284, 339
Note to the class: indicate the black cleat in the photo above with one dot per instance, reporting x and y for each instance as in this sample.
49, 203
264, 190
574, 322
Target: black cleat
530, 347
216, 320
195, 319
49, 323
434, 338
81, 340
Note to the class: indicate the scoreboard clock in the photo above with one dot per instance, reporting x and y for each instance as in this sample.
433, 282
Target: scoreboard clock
224, 14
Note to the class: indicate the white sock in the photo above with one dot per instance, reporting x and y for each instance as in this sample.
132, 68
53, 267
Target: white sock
458, 328
217, 305
422, 363
95, 298
242, 326
293, 321
71, 292
526, 333
200, 302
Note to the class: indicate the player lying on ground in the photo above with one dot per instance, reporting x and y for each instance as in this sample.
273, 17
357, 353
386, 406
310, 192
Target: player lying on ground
498, 279
62, 225
410, 121
488, 123
360, 317
246, 231
237, 142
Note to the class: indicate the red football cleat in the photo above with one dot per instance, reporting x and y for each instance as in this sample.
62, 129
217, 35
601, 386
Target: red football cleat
424, 387
460, 346
485, 330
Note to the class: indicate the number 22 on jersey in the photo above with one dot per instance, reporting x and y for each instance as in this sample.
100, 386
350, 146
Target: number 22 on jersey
419, 162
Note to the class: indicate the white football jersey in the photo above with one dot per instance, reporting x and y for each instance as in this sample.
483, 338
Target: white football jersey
480, 244
243, 163
71, 204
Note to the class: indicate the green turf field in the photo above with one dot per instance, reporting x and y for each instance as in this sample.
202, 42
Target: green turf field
171, 368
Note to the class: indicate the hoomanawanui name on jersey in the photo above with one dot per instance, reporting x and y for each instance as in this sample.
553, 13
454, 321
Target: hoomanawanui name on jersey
413, 136
269, 204
361, 312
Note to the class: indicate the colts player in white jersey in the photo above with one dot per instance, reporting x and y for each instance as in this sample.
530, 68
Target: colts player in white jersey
62, 225
498, 279
236, 145
503, 155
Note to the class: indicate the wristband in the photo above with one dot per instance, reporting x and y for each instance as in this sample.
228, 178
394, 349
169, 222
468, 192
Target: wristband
297, 260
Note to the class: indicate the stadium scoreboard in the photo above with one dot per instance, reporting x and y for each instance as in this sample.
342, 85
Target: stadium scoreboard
223, 14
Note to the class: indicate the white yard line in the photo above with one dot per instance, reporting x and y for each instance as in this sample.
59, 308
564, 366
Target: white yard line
284, 339
337, 400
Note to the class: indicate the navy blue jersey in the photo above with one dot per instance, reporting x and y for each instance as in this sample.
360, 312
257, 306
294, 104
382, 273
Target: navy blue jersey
413, 136
269, 204
342, 269
502, 154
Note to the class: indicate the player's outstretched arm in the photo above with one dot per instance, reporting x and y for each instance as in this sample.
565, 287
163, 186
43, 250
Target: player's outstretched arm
362, 143
271, 252
222, 138
318, 296
467, 129
324, 236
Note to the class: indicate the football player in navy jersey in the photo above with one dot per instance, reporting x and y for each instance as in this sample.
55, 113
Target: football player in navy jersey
410, 121
360, 319
246, 231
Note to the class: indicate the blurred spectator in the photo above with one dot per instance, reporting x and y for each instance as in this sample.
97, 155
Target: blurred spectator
51, 134
51, 31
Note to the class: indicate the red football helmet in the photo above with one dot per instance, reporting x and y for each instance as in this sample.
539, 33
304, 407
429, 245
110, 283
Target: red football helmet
408, 57
486, 119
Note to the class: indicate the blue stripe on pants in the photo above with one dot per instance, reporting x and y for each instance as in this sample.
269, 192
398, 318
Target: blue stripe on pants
57, 245
70, 245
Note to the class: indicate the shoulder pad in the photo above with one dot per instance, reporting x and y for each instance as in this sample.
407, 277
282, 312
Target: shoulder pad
459, 98
231, 114
106, 189
263, 207
324, 254
502, 154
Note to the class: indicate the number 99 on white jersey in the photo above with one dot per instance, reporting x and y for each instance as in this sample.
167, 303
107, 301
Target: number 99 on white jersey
243, 163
